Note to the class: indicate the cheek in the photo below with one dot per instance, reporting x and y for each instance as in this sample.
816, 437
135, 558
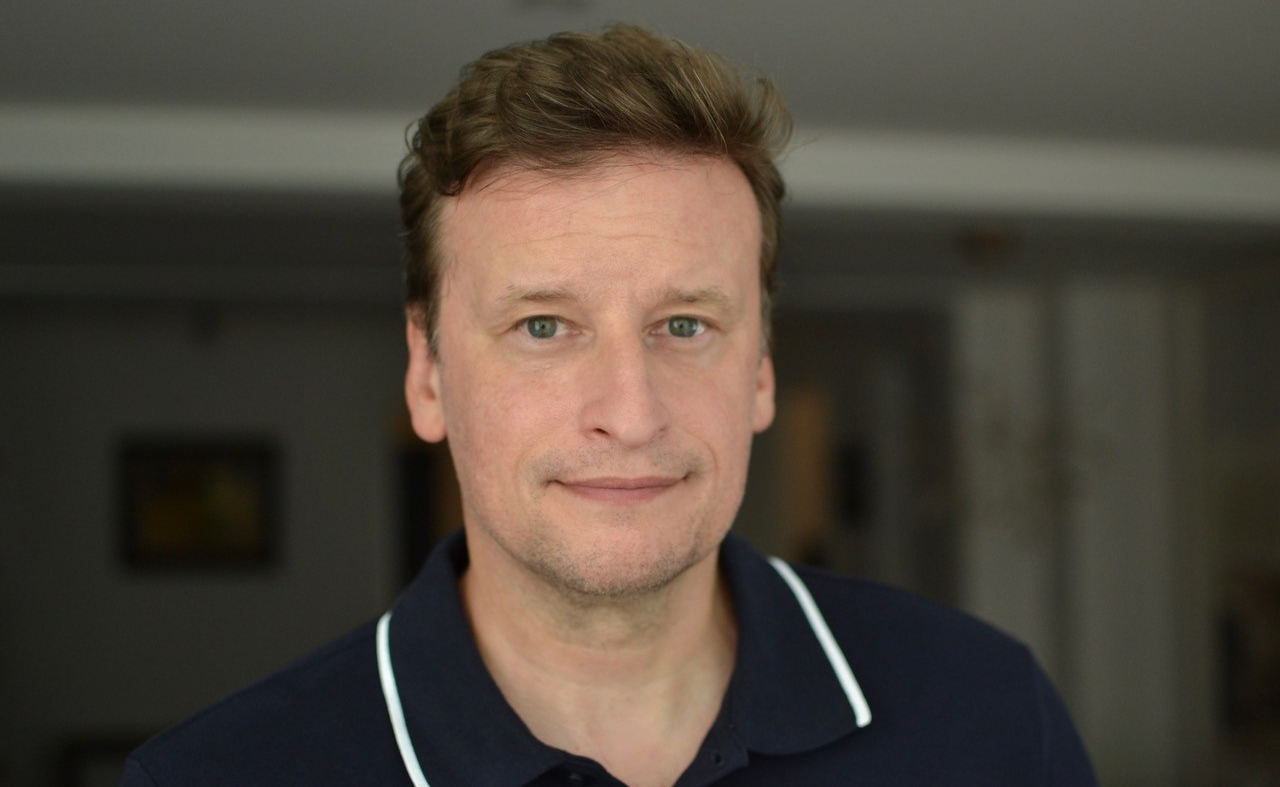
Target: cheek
717, 406
724, 388
496, 418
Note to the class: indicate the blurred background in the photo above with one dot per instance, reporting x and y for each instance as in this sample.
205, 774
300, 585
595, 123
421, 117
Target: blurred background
1028, 344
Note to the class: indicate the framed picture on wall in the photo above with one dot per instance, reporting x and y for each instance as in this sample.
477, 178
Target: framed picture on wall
198, 502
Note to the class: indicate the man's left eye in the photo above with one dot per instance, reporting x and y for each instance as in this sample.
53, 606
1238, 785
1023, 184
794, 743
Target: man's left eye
542, 327
684, 327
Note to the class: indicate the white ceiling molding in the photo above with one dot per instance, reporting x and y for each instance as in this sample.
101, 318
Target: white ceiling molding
357, 154
200, 149
1021, 176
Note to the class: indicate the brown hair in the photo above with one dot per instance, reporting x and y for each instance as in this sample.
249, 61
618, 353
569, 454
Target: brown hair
570, 101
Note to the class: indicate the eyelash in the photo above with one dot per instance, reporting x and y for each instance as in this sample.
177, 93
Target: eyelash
700, 326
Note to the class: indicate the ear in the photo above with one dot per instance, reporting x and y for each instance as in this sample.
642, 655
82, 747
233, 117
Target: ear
762, 409
422, 386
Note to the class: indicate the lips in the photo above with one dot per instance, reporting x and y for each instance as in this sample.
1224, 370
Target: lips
620, 490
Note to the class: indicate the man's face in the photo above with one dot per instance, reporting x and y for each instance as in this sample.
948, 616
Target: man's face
601, 368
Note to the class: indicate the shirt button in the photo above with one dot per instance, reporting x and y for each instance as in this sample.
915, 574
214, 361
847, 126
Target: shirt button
577, 778
717, 759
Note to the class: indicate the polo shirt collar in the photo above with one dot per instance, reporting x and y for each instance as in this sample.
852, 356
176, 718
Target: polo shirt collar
783, 697
461, 726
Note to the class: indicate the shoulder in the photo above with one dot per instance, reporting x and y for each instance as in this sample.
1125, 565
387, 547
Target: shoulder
872, 619
315, 720
943, 683
899, 640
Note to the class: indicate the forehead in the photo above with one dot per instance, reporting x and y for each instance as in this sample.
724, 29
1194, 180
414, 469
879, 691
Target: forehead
697, 205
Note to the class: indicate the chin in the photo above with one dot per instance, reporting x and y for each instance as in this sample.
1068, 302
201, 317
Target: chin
615, 571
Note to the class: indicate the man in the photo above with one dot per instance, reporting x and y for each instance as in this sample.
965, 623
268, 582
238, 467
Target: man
591, 225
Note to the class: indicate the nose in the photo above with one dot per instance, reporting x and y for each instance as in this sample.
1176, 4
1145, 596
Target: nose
622, 398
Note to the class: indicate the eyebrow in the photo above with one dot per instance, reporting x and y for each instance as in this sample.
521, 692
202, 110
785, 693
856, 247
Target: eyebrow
710, 296
514, 295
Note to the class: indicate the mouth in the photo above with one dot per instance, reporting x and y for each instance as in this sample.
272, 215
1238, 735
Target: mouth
618, 489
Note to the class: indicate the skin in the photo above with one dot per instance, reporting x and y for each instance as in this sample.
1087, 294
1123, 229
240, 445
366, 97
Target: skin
600, 377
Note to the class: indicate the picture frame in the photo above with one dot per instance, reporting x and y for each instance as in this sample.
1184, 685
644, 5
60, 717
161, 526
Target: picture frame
198, 502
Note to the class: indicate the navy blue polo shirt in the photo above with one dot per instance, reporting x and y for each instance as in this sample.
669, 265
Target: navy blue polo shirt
953, 702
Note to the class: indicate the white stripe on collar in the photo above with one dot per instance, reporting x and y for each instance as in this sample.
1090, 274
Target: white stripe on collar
394, 710
839, 664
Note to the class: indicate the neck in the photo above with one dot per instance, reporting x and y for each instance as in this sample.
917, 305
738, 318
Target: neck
634, 682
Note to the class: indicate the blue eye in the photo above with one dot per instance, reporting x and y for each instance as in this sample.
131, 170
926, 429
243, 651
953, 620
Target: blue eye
684, 327
542, 326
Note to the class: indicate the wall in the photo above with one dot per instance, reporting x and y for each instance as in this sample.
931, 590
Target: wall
91, 648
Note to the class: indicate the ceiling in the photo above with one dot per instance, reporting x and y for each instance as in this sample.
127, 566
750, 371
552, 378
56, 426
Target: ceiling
1184, 72
1164, 109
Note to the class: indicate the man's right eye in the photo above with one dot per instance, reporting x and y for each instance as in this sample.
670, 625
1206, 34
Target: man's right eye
542, 326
